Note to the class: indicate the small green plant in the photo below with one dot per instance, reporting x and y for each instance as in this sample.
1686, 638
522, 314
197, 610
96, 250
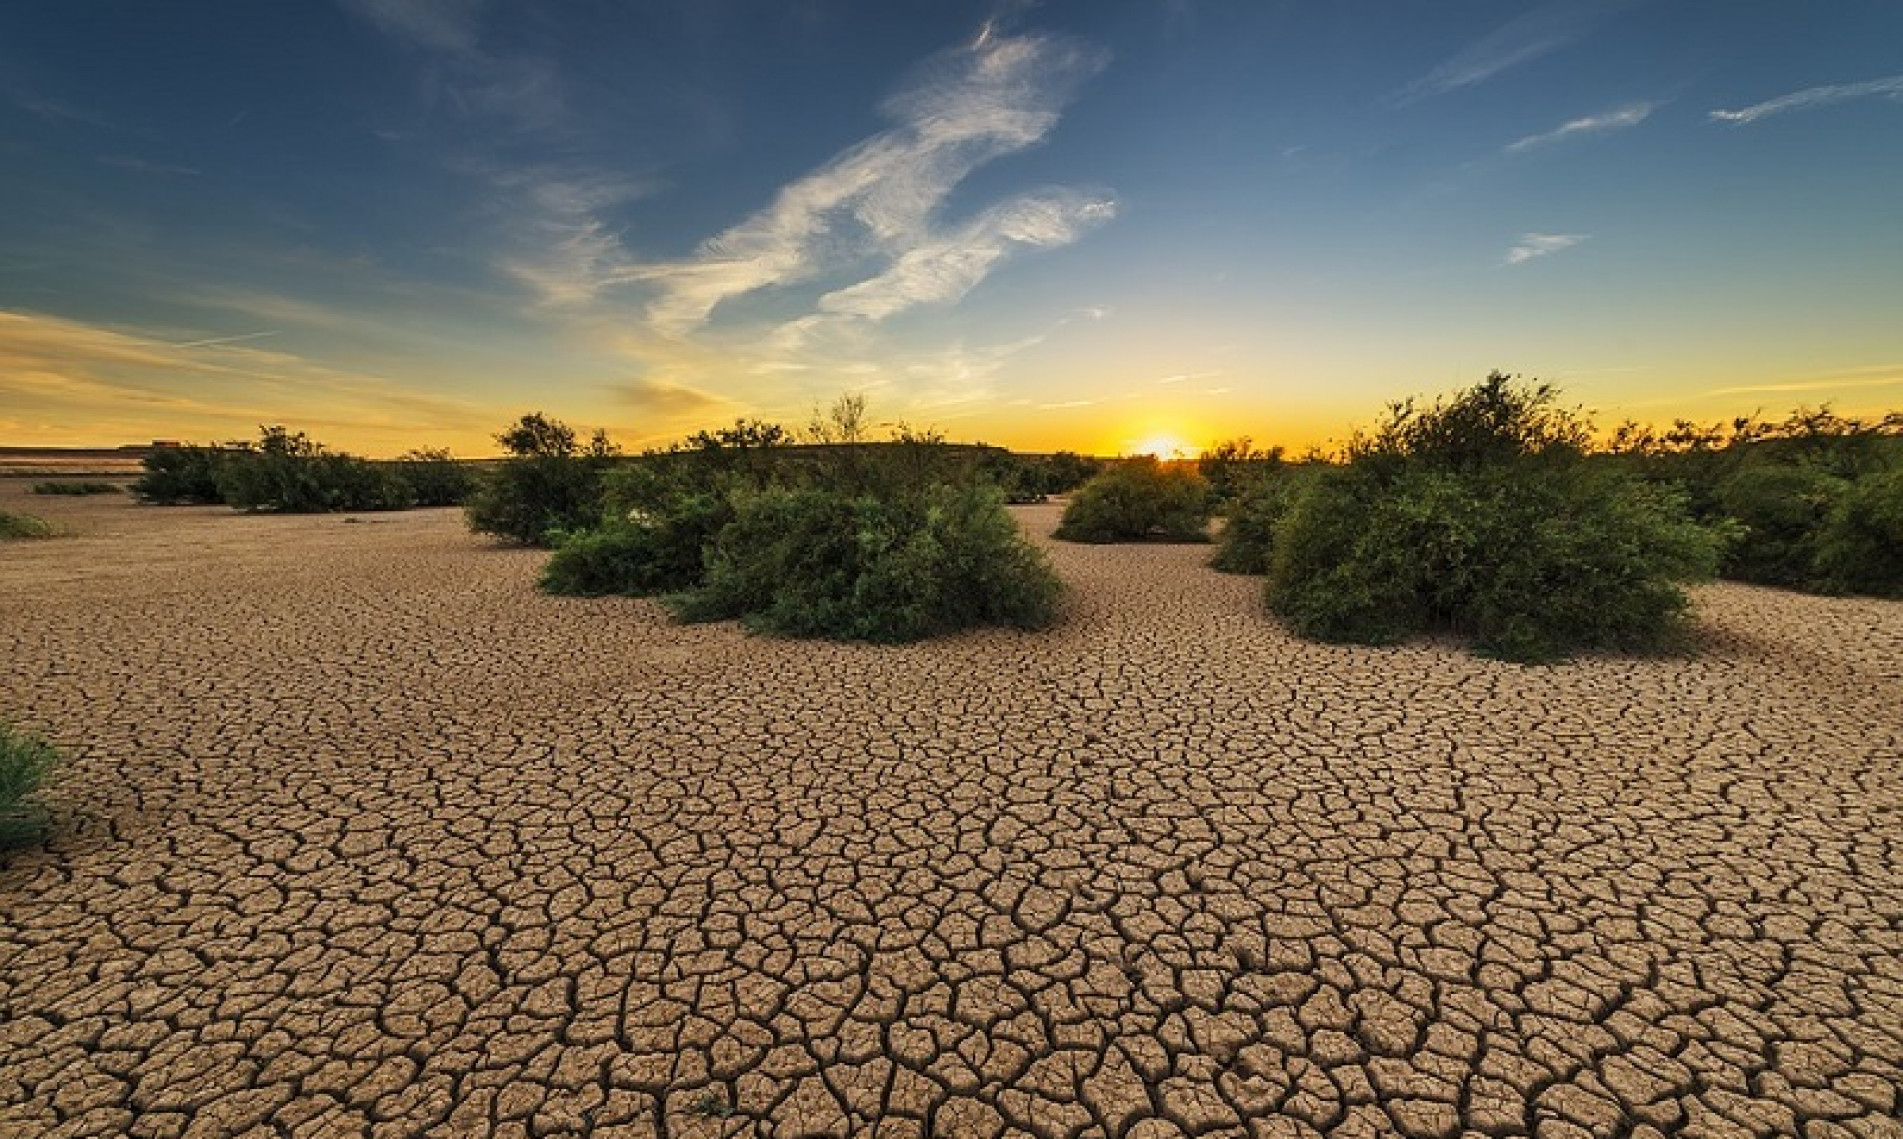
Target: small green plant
23, 526
1140, 500
76, 489
710, 1104
25, 762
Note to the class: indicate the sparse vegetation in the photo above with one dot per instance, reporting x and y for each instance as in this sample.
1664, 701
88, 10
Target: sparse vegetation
1140, 500
23, 526
25, 762
76, 489
1481, 516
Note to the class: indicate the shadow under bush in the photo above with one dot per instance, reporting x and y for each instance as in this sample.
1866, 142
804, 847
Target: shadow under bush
1140, 500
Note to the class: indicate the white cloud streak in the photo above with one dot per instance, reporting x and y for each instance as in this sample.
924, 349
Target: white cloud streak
1811, 98
1620, 119
880, 198
1532, 245
1519, 41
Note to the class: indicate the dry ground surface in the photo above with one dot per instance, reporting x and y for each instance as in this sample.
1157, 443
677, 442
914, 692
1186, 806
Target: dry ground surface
362, 836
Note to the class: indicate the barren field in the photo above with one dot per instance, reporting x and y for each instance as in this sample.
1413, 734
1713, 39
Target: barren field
361, 835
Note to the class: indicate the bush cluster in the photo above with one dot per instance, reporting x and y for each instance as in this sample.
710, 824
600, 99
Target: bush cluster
1483, 517
25, 762
289, 473
1813, 499
846, 540
75, 489
1140, 500
23, 526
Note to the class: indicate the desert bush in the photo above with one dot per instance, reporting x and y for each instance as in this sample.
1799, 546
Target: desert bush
23, 526
183, 475
1139, 500
25, 762
1859, 548
817, 561
432, 477
1250, 519
548, 487
1235, 466
75, 489
645, 551
1480, 516
289, 473
1782, 508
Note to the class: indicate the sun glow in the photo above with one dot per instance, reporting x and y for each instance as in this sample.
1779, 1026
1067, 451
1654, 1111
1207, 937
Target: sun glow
1166, 447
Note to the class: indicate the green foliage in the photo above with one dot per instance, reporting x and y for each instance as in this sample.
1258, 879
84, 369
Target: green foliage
23, 526
642, 553
1140, 500
1234, 466
1859, 549
549, 486
289, 473
25, 762
183, 475
1783, 508
75, 489
1481, 516
819, 562
432, 477
1250, 520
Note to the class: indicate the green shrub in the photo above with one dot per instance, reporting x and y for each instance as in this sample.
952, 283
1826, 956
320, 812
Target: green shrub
1480, 516
641, 553
1248, 532
23, 526
1783, 508
549, 487
182, 475
76, 489
1234, 467
432, 477
1140, 500
820, 562
1860, 545
25, 762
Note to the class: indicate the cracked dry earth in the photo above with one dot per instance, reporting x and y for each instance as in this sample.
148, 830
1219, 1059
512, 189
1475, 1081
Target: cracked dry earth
362, 836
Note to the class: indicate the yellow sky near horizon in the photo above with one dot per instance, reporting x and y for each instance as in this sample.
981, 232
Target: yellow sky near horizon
68, 383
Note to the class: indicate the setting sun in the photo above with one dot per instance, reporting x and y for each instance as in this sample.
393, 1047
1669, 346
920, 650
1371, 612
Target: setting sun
1163, 447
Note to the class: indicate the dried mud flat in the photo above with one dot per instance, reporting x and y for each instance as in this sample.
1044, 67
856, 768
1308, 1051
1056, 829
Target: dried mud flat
362, 836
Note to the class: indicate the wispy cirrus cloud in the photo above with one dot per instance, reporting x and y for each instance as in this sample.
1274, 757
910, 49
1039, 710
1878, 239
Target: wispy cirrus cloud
1535, 245
1521, 40
1811, 98
516, 87
878, 201
1616, 120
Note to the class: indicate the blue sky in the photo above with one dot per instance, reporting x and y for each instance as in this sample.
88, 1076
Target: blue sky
1073, 224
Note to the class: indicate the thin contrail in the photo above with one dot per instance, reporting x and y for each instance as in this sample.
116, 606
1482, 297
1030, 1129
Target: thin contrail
226, 339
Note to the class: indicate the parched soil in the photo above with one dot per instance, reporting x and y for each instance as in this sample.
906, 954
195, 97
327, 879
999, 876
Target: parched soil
361, 835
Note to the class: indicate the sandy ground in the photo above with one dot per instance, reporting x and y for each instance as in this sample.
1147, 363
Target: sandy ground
362, 836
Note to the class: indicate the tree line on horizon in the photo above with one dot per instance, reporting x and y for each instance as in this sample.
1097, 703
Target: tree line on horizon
1454, 494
